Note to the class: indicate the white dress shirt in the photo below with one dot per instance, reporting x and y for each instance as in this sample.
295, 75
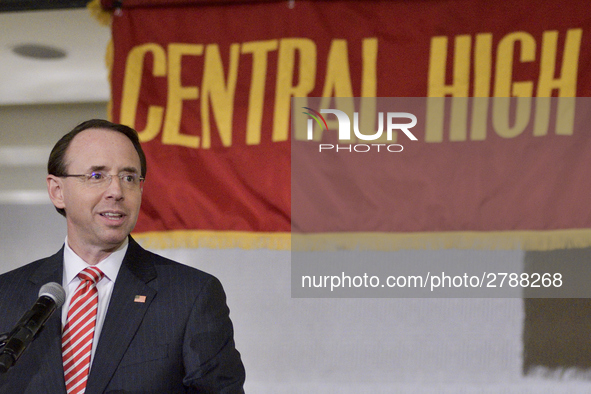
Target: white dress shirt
73, 265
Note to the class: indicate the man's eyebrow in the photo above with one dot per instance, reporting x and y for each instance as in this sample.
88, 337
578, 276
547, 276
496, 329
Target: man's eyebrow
103, 168
130, 169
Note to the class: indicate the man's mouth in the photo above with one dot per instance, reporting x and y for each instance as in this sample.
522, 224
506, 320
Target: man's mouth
112, 215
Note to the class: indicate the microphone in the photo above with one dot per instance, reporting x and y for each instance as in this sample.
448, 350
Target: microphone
51, 297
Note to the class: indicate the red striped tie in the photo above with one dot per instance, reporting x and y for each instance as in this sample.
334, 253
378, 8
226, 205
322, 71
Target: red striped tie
79, 331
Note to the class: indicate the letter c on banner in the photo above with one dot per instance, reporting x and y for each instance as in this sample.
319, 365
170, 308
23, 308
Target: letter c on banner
131, 89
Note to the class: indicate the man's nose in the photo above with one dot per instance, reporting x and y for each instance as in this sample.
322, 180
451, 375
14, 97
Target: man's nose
114, 189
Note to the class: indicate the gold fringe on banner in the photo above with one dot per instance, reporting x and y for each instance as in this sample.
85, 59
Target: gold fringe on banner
494, 240
180, 239
109, 59
386, 242
97, 11
104, 18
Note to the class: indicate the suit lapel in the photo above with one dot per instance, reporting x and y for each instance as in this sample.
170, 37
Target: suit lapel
51, 373
124, 316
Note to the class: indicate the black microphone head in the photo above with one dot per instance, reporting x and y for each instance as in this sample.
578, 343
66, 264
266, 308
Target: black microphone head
53, 291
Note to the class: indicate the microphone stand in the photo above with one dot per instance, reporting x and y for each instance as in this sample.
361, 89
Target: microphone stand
3, 338
5, 361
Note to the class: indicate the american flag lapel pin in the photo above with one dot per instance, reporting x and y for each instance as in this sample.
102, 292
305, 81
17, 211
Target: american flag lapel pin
139, 298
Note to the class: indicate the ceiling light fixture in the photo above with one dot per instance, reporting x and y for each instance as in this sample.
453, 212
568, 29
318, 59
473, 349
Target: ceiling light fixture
38, 51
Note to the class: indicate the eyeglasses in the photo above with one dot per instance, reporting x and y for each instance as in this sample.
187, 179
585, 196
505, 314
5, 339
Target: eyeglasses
129, 180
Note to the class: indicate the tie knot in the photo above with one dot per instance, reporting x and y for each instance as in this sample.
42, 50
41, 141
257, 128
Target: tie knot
92, 274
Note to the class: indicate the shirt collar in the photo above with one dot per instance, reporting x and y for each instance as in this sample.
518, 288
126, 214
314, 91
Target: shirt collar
73, 264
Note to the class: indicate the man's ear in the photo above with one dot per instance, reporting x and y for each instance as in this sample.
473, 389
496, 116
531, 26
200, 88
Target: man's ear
55, 189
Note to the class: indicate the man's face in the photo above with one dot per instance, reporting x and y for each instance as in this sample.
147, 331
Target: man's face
99, 217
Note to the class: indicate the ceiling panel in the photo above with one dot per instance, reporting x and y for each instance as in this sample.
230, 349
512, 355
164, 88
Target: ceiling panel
79, 77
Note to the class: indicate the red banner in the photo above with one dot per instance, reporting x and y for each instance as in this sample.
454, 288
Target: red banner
208, 87
441, 172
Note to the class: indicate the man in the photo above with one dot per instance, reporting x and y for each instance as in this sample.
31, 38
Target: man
133, 321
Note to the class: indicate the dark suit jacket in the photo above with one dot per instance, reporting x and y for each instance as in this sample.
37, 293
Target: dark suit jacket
179, 340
